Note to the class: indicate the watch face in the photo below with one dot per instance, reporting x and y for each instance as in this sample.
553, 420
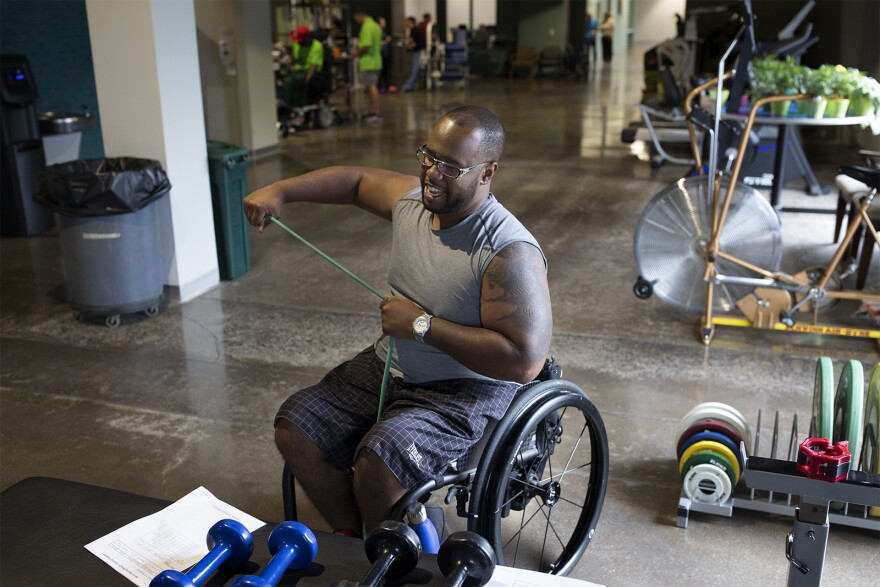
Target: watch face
421, 324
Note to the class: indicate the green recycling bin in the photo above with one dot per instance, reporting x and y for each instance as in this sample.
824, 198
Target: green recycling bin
227, 168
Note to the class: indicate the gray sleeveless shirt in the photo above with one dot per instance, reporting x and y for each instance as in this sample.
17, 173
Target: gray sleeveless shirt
442, 272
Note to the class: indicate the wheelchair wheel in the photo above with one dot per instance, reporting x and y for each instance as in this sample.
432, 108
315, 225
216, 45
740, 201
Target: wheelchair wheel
540, 485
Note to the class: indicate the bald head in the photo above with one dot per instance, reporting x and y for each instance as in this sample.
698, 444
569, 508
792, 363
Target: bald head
485, 124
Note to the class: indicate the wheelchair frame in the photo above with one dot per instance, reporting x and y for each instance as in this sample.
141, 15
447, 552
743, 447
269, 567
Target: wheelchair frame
511, 469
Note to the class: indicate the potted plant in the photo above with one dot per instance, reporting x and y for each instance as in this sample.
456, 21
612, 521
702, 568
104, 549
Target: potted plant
843, 84
865, 100
818, 83
771, 77
800, 84
762, 76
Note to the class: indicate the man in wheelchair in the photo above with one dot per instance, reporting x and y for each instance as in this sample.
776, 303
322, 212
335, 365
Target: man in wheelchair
309, 80
469, 313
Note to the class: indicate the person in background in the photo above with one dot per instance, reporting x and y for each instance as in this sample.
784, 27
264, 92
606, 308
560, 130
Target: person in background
415, 45
384, 84
606, 29
307, 54
590, 26
427, 28
467, 336
369, 52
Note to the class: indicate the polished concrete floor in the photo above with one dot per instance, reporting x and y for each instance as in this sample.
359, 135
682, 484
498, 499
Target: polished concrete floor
160, 406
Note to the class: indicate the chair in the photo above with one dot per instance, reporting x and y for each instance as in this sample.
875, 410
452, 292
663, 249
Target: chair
524, 57
454, 65
551, 57
533, 486
850, 192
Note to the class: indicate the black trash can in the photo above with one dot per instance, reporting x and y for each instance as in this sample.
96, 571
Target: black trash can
107, 216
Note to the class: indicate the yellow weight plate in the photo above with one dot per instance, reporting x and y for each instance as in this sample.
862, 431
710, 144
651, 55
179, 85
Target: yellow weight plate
715, 447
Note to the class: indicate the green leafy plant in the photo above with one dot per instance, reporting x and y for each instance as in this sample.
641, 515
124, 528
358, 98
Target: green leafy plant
818, 82
843, 81
800, 76
762, 76
769, 76
867, 89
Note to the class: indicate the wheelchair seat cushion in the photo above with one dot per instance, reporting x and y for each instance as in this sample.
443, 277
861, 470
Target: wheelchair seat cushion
423, 427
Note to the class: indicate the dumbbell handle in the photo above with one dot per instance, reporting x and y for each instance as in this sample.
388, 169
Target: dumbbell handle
209, 563
279, 563
293, 546
378, 570
457, 577
228, 540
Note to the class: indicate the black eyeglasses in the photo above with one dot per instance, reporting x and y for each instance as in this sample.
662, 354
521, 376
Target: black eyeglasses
447, 169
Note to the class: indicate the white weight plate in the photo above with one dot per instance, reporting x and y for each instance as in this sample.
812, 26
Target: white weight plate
718, 411
707, 484
699, 412
721, 407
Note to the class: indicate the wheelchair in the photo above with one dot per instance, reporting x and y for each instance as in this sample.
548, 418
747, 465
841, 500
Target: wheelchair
533, 486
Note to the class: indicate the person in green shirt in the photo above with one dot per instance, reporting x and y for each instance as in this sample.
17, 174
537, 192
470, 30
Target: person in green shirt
308, 63
369, 52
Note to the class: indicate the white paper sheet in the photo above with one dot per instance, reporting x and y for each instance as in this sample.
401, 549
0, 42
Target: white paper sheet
510, 577
173, 538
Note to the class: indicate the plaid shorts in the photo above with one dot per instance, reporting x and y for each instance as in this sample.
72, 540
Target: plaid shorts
423, 426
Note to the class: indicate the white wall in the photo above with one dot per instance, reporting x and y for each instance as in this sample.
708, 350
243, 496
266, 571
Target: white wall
240, 98
459, 12
655, 19
416, 8
256, 78
222, 119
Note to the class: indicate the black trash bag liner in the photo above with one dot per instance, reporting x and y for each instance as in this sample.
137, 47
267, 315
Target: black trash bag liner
102, 187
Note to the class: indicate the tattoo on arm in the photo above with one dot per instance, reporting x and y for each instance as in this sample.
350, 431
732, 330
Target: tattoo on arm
516, 296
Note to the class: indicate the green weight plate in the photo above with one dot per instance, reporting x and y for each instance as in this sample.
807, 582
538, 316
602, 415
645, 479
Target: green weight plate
870, 457
849, 401
710, 457
715, 447
823, 400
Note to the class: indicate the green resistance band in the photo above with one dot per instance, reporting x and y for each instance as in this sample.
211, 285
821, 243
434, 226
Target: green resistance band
363, 283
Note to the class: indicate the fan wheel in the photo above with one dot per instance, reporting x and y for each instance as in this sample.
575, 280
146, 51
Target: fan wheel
673, 234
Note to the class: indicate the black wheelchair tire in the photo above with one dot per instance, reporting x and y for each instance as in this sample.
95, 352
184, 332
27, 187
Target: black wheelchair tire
494, 482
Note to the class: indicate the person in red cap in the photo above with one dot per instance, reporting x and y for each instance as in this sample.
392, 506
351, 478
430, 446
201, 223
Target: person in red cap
308, 62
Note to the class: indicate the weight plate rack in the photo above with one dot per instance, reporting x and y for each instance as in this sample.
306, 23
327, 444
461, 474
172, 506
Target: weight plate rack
774, 502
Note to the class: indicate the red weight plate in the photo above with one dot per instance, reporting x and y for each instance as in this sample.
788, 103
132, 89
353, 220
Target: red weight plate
713, 425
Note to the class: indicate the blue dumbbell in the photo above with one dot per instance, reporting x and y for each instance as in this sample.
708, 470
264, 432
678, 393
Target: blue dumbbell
292, 545
228, 541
